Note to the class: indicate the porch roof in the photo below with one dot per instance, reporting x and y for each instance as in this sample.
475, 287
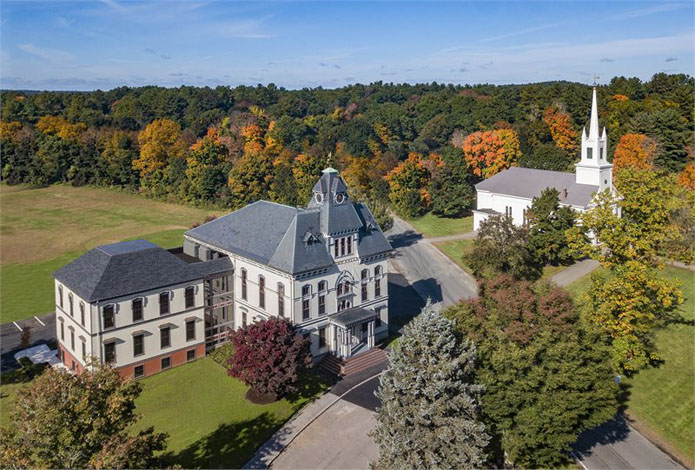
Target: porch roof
353, 315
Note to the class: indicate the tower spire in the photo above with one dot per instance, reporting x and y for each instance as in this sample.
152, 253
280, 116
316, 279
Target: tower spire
593, 125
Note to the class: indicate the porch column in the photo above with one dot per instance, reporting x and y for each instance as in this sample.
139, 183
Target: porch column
370, 335
346, 343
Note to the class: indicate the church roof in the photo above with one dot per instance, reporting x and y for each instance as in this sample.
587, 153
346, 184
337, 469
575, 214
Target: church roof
529, 183
125, 268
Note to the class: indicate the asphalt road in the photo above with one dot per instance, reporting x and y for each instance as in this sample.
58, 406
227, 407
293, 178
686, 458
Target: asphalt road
43, 330
431, 273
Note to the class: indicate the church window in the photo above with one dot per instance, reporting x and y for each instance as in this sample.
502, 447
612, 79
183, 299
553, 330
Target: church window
600, 153
589, 153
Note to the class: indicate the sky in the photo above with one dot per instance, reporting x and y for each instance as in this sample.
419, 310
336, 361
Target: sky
295, 44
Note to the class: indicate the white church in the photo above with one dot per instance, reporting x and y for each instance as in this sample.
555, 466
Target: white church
511, 191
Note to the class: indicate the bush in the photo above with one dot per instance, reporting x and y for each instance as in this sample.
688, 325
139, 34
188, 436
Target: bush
223, 354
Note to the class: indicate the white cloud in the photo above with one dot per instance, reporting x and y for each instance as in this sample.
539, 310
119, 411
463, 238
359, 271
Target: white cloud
661, 8
50, 55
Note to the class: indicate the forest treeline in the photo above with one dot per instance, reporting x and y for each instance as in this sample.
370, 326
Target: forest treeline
421, 147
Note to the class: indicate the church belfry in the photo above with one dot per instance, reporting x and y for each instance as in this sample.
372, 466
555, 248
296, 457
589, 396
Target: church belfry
593, 168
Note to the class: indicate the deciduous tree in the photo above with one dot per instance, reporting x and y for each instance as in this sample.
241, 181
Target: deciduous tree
562, 129
268, 355
547, 224
79, 421
409, 184
429, 415
159, 143
547, 378
636, 151
489, 152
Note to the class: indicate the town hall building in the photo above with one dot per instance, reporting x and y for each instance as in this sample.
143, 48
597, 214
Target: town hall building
511, 191
146, 309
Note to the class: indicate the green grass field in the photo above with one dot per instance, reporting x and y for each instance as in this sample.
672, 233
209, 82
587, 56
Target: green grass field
432, 226
209, 422
42, 229
662, 399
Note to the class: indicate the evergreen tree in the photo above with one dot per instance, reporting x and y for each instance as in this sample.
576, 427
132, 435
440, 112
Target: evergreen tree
429, 414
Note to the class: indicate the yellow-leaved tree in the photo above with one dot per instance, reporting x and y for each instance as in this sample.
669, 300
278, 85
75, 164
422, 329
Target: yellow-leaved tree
159, 142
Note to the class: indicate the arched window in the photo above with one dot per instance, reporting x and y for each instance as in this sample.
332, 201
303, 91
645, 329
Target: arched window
323, 289
82, 313
70, 301
60, 296
243, 283
261, 292
281, 299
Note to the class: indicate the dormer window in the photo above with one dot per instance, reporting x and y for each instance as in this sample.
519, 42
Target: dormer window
319, 198
339, 198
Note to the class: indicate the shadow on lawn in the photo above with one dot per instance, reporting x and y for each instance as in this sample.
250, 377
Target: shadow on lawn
229, 446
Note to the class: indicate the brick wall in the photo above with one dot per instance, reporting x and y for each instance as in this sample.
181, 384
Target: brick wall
154, 365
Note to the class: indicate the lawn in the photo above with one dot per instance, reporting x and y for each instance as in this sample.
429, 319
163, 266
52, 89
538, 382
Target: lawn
210, 423
431, 225
662, 399
42, 229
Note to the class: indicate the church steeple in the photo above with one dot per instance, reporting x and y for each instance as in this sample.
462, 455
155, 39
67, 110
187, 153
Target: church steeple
593, 168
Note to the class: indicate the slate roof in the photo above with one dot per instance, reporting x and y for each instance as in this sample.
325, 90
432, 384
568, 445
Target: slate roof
290, 239
125, 268
352, 315
529, 183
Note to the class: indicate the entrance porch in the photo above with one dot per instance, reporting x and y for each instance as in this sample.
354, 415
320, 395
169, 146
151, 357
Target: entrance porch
353, 331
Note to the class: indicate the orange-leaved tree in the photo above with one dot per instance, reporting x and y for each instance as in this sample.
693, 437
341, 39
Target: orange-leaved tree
686, 178
561, 129
159, 142
636, 151
489, 152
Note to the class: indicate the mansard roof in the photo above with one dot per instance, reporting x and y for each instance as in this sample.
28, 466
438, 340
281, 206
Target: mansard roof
125, 268
529, 183
290, 239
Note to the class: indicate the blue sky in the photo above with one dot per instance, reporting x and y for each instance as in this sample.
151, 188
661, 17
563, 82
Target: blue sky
89, 45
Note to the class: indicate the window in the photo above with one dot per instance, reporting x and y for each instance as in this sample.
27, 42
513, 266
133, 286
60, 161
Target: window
306, 298
323, 287
342, 247
108, 317
322, 337
70, 301
349, 245
165, 337
60, 296
84, 351
163, 303
136, 306
139, 371
306, 290
110, 353
190, 355
281, 299
377, 281
62, 329
243, 284
261, 292
365, 285
82, 313
336, 251
72, 339
190, 296
243, 318
600, 153
138, 345
190, 330
166, 362
72, 367
508, 211
589, 153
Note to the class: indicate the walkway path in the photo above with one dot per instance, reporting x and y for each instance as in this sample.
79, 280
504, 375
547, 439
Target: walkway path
574, 272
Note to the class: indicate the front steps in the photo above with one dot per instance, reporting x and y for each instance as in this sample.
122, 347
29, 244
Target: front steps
355, 364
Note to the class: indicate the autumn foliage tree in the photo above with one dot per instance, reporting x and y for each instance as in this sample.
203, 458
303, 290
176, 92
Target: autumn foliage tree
636, 151
205, 166
686, 178
79, 421
159, 143
268, 356
489, 152
409, 183
560, 125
